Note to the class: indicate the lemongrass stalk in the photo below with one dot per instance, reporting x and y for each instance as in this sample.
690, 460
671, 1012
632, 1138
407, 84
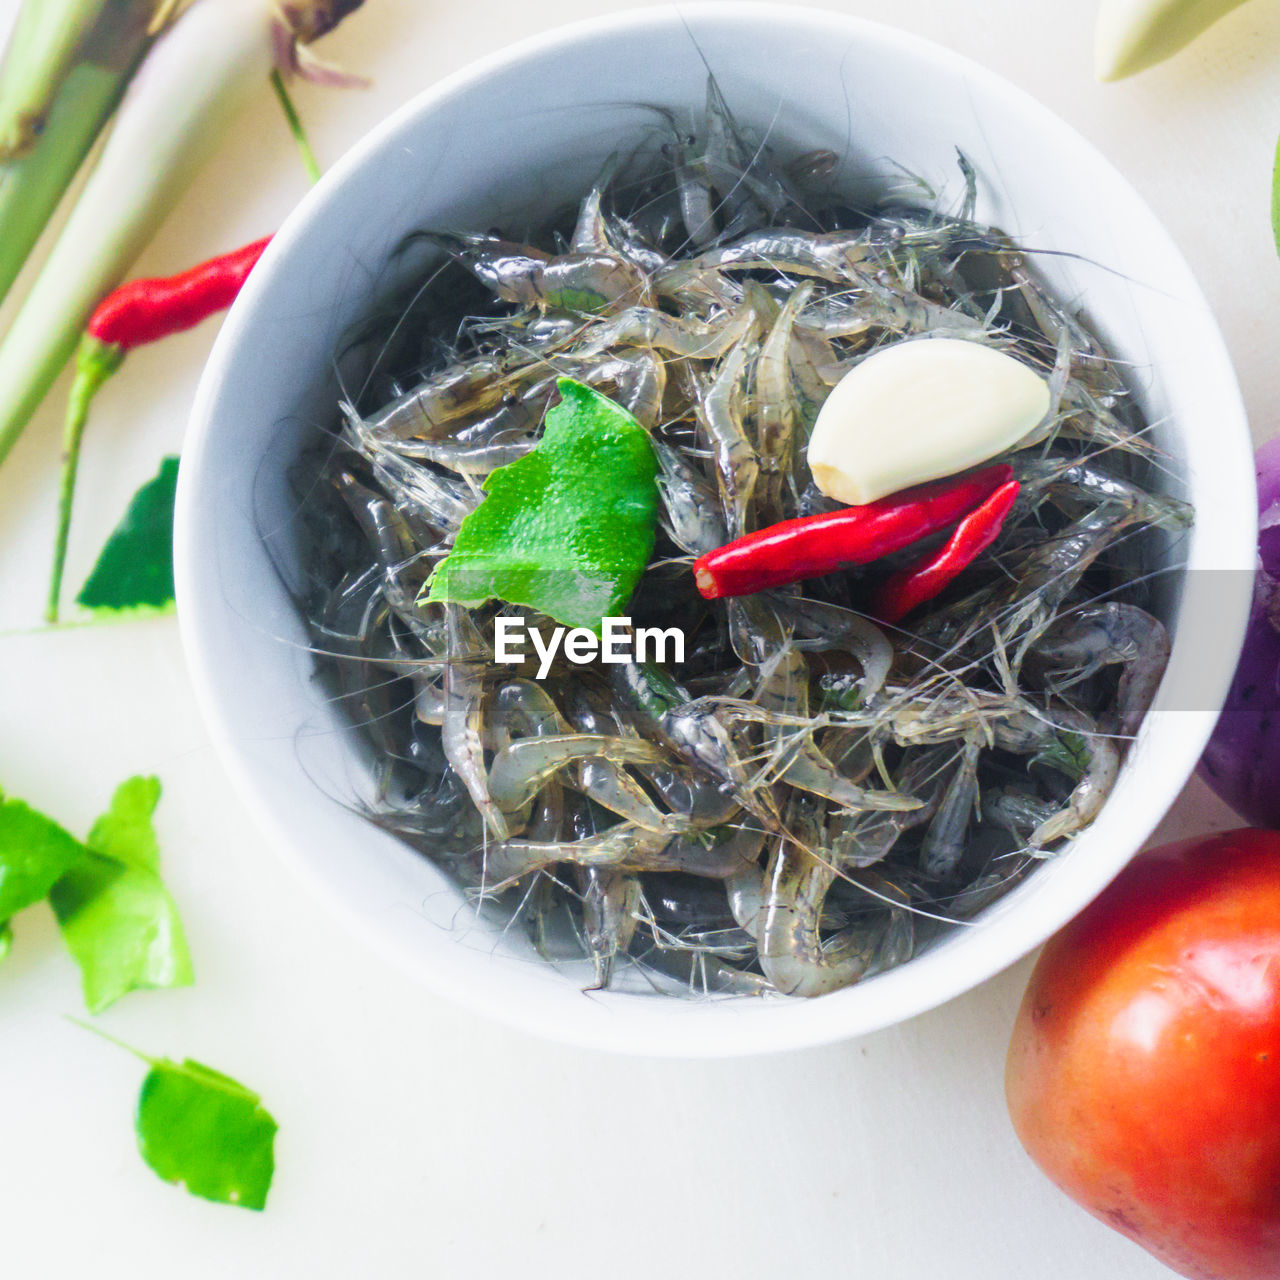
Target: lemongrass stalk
1133, 35
58, 87
193, 84
45, 44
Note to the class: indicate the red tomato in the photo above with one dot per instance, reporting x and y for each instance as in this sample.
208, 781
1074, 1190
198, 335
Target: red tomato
1144, 1071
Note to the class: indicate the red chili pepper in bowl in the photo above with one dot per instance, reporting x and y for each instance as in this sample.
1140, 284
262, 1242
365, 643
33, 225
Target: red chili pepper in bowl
136, 313
911, 587
813, 546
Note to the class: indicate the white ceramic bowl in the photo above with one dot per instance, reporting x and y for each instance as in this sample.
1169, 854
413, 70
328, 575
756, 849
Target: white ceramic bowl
527, 129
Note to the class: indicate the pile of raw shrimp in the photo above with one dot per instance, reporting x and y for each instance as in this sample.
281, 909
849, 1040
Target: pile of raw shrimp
809, 798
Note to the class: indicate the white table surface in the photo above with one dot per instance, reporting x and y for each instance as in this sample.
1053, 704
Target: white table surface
415, 1139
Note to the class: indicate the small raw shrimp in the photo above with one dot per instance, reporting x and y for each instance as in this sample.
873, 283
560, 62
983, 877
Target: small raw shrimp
582, 282
462, 733
610, 906
721, 414
868, 838
689, 338
440, 501
1098, 635
628, 240
783, 692
591, 232
493, 441
944, 842
428, 411
1089, 482
620, 846
693, 800
720, 854
757, 627
1050, 573
690, 507
910, 315
694, 732
1099, 754
610, 786
830, 625
697, 198
812, 357
519, 770
604, 781
834, 256
777, 412
385, 529
639, 380
522, 709
752, 190
812, 167
793, 954
428, 697
1016, 812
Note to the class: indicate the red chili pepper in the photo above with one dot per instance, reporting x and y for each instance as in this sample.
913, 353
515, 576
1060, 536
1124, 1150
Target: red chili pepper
144, 310
136, 313
911, 587
815, 545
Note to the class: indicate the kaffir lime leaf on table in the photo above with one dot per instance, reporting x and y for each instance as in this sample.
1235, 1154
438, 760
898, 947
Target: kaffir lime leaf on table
35, 852
135, 568
207, 1132
116, 916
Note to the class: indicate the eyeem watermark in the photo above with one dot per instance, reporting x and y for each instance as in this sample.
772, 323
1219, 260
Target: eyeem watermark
618, 641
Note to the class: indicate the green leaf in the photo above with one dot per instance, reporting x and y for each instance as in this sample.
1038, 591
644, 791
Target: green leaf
116, 916
34, 853
125, 831
203, 1130
135, 568
567, 529
6, 938
1068, 753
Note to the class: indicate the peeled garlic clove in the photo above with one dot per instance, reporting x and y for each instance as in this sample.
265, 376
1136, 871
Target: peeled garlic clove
918, 411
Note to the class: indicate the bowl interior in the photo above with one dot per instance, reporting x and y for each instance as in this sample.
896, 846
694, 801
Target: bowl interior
509, 143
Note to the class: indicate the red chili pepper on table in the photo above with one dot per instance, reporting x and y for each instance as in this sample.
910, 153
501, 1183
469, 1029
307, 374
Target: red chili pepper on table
816, 545
911, 587
144, 311
136, 313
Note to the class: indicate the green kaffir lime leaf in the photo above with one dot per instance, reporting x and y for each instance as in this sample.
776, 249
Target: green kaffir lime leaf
135, 569
116, 916
207, 1132
34, 853
567, 529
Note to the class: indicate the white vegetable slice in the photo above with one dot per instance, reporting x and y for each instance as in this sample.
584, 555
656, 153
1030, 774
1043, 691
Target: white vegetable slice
1133, 35
918, 411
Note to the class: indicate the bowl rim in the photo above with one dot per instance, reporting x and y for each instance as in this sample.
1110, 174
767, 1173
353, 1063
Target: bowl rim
808, 1023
